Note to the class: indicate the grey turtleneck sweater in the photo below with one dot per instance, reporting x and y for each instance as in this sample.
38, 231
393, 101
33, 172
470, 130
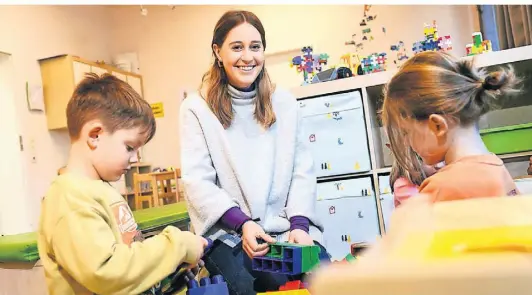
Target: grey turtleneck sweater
260, 141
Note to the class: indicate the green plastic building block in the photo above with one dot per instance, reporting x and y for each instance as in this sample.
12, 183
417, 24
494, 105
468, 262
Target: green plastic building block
288, 258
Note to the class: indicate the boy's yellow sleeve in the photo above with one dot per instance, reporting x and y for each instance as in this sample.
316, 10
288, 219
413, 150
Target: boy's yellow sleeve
86, 248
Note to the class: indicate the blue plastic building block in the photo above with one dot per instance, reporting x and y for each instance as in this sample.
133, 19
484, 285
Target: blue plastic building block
285, 258
216, 286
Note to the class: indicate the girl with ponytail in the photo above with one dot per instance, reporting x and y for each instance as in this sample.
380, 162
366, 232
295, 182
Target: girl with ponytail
432, 106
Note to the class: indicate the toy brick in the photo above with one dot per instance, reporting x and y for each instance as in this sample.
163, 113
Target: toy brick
292, 285
216, 286
290, 292
287, 258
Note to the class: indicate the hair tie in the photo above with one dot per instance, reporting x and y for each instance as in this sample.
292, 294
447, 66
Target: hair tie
491, 83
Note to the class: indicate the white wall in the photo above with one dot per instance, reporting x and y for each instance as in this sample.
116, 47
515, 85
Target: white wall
174, 45
29, 33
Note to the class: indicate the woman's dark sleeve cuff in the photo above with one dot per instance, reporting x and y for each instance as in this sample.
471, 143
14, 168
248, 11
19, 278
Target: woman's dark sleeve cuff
299, 222
234, 218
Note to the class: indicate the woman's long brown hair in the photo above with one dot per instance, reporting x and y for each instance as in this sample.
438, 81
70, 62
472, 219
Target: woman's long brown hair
214, 85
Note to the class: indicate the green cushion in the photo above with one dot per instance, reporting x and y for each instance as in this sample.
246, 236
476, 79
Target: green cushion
19, 248
23, 247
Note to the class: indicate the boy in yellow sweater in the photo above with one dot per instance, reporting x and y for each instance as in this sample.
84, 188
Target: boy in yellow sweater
88, 240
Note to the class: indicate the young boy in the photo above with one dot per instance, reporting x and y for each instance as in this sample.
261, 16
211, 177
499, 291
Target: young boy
88, 240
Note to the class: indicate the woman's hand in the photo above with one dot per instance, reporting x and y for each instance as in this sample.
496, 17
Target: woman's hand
250, 232
301, 237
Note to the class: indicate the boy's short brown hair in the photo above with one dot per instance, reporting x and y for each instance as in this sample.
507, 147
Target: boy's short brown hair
112, 101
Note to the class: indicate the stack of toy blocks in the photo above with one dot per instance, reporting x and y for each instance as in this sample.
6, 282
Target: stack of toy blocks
432, 42
375, 62
290, 259
216, 286
479, 45
290, 288
309, 63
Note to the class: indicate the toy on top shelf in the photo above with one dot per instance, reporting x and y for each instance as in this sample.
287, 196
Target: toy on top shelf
479, 45
286, 258
432, 42
309, 63
352, 62
374, 63
216, 286
401, 52
290, 288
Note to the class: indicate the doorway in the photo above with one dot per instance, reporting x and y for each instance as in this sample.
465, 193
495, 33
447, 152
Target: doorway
13, 200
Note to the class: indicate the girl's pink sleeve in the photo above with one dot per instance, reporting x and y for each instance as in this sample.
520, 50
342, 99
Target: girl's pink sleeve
403, 189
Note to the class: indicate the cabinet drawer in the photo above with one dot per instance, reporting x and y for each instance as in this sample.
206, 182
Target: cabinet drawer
346, 221
338, 139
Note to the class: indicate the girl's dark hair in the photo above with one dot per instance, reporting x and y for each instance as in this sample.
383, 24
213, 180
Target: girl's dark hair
214, 85
439, 83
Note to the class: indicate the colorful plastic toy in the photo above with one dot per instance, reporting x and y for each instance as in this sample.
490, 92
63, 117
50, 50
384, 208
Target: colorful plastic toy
286, 258
291, 288
375, 62
309, 63
432, 42
183, 275
216, 286
479, 45
352, 61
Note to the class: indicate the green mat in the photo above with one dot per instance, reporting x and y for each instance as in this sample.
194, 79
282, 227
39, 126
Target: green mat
23, 247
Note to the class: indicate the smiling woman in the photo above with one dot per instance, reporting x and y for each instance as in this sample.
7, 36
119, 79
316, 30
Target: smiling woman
238, 45
245, 164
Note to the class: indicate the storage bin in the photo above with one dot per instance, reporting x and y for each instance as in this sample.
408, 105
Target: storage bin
336, 130
508, 139
348, 212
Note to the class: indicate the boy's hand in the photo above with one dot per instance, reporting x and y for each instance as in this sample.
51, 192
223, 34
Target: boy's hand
301, 237
202, 244
250, 232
